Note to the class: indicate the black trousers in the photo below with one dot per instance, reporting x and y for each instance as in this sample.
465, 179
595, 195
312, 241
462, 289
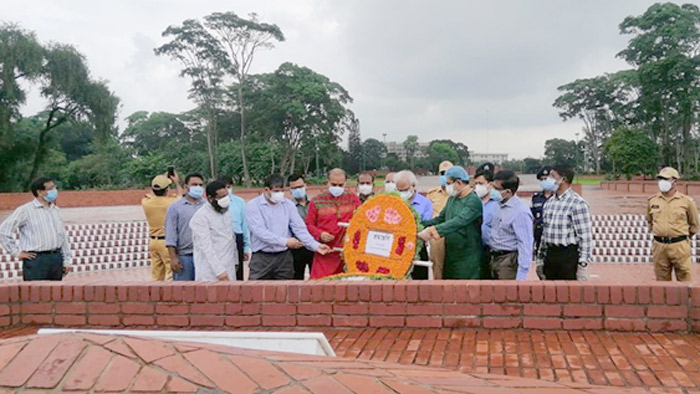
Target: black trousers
272, 266
561, 262
420, 272
302, 258
239, 247
45, 266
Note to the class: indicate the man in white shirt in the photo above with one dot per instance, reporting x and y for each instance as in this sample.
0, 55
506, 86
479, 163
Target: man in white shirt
215, 253
43, 244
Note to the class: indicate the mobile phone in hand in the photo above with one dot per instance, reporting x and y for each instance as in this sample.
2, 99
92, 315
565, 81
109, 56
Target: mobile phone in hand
171, 171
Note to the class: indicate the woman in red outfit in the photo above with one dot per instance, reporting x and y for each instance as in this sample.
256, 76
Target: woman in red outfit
325, 212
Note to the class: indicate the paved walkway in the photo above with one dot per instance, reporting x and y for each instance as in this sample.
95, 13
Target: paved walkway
97, 363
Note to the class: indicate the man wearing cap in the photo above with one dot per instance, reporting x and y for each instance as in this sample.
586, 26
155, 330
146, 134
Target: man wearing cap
549, 186
460, 224
438, 197
673, 219
155, 206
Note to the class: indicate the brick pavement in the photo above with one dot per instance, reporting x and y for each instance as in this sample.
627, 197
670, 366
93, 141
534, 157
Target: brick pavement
663, 361
98, 363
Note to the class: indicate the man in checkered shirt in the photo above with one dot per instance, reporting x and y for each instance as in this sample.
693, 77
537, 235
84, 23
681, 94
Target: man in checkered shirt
567, 238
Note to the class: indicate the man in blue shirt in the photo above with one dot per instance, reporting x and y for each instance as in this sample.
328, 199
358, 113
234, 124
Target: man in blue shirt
178, 235
275, 228
406, 183
511, 236
240, 225
302, 257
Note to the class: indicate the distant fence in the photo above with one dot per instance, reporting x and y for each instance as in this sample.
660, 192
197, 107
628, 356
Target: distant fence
649, 187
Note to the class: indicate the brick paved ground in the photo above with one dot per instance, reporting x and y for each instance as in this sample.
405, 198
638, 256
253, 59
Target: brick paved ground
671, 361
97, 363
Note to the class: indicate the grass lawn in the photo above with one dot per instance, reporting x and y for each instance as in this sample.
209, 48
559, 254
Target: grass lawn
589, 180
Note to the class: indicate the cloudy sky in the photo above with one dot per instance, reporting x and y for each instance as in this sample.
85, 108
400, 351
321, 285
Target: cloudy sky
481, 72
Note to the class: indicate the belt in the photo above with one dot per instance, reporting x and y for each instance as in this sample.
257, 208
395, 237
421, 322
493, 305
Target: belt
152, 237
665, 240
271, 253
502, 252
48, 251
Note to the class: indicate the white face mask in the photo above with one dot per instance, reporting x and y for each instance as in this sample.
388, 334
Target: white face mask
665, 186
481, 190
390, 187
224, 202
450, 189
336, 191
365, 189
276, 197
406, 194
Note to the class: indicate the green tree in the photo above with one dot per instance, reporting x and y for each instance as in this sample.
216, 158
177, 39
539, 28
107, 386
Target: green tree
152, 132
560, 151
531, 165
412, 147
439, 152
461, 149
355, 162
373, 151
631, 152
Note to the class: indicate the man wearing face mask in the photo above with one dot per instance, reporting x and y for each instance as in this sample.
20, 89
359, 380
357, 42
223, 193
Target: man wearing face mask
438, 197
511, 237
489, 199
460, 224
155, 207
567, 237
406, 183
240, 226
43, 245
178, 235
215, 253
673, 219
275, 228
389, 184
548, 186
325, 212
365, 186
302, 257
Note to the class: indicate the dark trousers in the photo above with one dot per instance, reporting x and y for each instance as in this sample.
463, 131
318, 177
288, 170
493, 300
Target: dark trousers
302, 258
239, 247
272, 266
45, 266
420, 272
560, 262
503, 265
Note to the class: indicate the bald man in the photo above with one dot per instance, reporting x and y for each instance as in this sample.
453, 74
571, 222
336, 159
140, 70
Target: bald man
389, 184
325, 212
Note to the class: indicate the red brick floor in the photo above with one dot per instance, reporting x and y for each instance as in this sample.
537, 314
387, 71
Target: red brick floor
670, 361
99, 363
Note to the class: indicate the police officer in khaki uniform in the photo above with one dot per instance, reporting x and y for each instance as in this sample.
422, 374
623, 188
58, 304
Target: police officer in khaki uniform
673, 219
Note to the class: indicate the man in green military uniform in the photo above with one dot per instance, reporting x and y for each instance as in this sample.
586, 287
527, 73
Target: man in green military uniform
673, 219
460, 224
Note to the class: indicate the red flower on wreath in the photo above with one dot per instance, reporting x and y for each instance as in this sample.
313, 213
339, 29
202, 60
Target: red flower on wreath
391, 216
362, 266
401, 244
373, 214
383, 270
356, 239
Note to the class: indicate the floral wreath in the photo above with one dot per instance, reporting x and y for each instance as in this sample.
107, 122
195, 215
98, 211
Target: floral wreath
388, 216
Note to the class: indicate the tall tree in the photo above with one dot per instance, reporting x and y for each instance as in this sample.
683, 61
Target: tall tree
373, 151
664, 48
631, 152
560, 151
411, 146
204, 62
355, 159
240, 39
440, 151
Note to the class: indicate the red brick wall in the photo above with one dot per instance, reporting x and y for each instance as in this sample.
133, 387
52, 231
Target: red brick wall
691, 188
470, 304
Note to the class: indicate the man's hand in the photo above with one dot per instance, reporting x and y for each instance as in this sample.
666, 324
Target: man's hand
582, 272
175, 264
327, 237
293, 243
26, 256
175, 178
428, 234
66, 271
223, 277
246, 256
539, 269
323, 249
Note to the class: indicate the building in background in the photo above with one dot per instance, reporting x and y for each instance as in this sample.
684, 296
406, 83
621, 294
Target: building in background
479, 158
398, 149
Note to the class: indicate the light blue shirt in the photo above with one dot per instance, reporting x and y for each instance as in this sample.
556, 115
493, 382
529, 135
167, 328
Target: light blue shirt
271, 225
240, 224
512, 229
423, 206
178, 233
490, 208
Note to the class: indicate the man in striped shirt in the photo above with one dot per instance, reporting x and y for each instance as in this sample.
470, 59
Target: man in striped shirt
567, 237
43, 244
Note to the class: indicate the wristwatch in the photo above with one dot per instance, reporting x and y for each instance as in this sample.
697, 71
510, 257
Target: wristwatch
583, 264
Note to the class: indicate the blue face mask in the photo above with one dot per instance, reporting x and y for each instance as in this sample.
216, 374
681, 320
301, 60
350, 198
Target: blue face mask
496, 195
548, 184
443, 180
51, 195
196, 192
299, 193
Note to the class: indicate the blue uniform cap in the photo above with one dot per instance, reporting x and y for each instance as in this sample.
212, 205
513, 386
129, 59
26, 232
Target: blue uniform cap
457, 172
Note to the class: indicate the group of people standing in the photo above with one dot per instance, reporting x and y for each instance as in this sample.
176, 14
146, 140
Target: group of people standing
475, 230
